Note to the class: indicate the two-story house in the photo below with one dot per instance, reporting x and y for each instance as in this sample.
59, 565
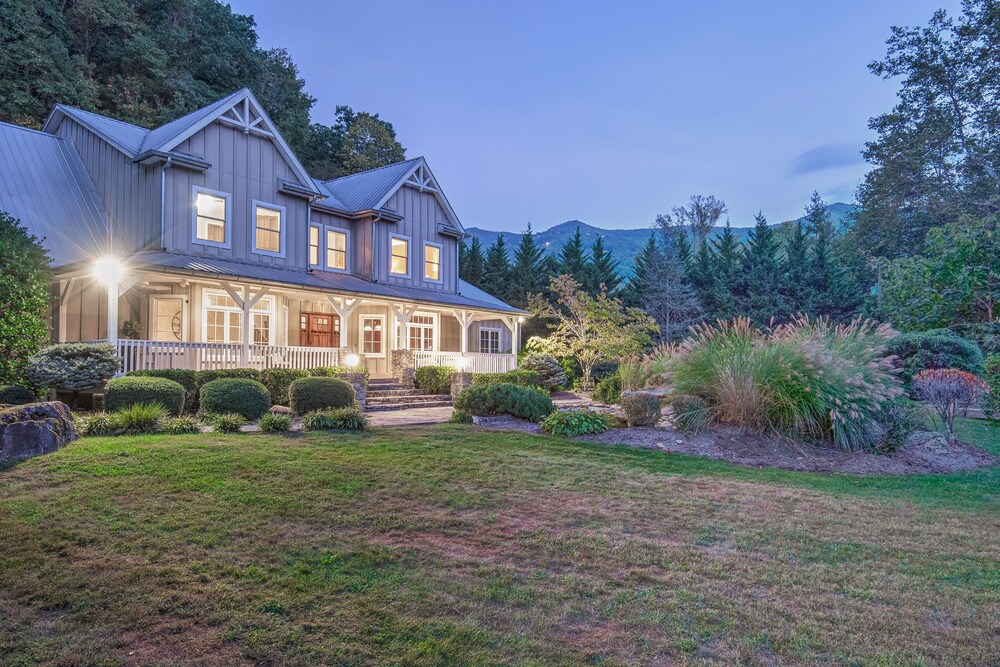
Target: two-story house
205, 244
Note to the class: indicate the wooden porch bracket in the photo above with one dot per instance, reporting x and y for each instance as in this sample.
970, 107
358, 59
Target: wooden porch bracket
403, 315
344, 308
465, 319
246, 302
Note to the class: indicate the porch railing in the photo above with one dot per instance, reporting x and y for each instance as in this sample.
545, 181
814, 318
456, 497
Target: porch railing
156, 355
475, 362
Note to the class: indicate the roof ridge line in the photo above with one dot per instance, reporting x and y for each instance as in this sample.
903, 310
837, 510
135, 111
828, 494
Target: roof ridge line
368, 171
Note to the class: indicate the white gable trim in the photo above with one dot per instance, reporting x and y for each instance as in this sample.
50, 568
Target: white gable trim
247, 114
422, 178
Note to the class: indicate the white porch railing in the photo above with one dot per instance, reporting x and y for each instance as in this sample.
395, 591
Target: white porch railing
475, 362
157, 355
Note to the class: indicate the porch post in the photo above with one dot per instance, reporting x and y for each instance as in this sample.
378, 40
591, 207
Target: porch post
465, 319
113, 311
247, 326
403, 315
344, 308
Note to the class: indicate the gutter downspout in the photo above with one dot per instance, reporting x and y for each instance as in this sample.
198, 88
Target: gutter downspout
309, 219
378, 216
163, 202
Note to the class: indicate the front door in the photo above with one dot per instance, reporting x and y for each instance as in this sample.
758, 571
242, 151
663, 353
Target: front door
319, 330
167, 318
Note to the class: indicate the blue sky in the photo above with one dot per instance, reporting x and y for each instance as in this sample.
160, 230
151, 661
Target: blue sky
607, 112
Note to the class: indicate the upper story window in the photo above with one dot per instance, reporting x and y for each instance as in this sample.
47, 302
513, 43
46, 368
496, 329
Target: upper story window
211, 217
269, 230
432, 262
336, 250
314, 234
399, 260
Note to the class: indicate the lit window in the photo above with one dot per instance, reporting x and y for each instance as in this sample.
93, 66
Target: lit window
313, 246
336, 250
489, 341
371, 336
400, 260
210, 217
224, 319
268, 230
420, 332
432, 262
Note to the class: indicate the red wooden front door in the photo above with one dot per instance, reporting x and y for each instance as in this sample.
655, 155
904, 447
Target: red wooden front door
319, 330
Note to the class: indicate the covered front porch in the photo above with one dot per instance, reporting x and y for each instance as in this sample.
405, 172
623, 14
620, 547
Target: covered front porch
160, 320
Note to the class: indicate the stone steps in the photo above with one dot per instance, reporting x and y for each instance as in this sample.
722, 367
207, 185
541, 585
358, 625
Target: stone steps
390, 394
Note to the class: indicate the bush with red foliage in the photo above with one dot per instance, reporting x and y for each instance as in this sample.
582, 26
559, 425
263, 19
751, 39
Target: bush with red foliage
950, 392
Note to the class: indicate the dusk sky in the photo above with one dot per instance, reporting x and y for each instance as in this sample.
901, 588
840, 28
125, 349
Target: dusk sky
607, 112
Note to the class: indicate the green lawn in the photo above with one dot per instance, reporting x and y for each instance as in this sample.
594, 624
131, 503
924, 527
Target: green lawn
446, 546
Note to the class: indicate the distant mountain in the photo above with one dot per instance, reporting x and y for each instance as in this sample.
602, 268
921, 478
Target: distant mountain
624, 244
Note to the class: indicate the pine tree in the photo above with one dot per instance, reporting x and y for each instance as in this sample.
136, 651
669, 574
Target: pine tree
764, 300
635, 287
831, 293
684, 249
527, 276
471, 262
496, 269
666, 296
796, 270
727, 278
603, 270
701, 277
573, 259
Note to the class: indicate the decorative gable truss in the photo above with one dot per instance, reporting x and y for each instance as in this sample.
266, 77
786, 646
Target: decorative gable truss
244, 116
423, 179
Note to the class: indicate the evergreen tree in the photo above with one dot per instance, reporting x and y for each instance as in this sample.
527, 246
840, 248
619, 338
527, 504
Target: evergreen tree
701, 277
727, 278
527, 276
635, 287
684, 249
496, 270
472, 262
666, 296
830, 292
764, 300
573, 259
603, 270
796, 270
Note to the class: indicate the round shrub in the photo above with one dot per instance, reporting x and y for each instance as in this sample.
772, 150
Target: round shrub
577, 422
317, 393
609, 390
505, 399
73, 366
518, 376
204, 377
642, 408
12, 394
434, 379
939, 348
550, 372
691, 413
247, 398
185, 378
124, 392
278, 380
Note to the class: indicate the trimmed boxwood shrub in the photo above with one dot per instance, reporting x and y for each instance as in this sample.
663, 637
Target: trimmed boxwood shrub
184, 378
12, 394
519, 377
609, 390
204, 377
434, 379
124, 392
641, 408
318, 393
938, 348
248, 398
550, 373
278, 380
528, 403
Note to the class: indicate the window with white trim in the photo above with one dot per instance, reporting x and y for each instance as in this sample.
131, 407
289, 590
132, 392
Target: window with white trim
211, 217
420, 332
399, 260
314, 234
489, 340
223, 319
268, 234
373, 335
336, 250
432, 262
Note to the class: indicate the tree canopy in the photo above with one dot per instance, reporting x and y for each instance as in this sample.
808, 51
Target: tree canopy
24, 298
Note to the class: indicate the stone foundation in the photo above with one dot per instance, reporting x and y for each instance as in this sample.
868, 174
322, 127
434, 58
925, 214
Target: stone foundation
357, 381
401, 367
460, 381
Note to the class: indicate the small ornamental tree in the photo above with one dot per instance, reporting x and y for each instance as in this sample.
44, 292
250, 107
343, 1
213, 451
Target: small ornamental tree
950, 392
591, 329
73, 367
24, 298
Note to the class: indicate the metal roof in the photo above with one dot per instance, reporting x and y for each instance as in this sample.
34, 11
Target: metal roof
163, 135
44, 184
319, 280
367, 190
124, 136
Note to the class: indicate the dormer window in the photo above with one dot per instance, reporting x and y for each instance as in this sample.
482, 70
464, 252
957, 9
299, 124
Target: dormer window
269, 231
399, 260
432, 262
211, 217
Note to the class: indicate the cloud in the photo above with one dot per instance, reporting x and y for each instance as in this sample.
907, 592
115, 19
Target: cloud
825, 157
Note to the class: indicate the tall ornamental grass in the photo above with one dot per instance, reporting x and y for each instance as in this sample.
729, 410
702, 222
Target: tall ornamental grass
807, 378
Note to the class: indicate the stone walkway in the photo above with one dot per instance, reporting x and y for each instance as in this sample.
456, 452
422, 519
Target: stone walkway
411, 416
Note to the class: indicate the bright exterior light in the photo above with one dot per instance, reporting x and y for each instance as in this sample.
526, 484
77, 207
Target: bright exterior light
352, 360
520, 320
109, 270
461, 363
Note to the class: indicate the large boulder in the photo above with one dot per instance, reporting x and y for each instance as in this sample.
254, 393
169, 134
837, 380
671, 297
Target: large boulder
34, 429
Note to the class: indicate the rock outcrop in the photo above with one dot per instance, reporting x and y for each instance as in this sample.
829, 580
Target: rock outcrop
34, 429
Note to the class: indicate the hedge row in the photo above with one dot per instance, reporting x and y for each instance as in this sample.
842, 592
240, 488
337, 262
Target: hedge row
519, 377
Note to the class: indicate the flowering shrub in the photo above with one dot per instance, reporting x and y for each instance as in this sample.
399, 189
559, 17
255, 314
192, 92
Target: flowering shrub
950, 392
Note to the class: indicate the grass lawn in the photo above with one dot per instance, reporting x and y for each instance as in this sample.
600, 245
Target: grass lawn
446, 546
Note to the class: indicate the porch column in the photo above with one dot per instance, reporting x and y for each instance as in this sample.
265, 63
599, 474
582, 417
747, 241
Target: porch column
344, 308
465, 319
113, 292
65, 286
403, 316
246, 302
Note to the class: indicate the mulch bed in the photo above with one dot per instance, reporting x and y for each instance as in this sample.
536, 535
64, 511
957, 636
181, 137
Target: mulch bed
732, 445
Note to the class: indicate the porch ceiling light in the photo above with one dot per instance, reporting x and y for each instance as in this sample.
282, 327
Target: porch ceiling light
109, 270
352, 360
